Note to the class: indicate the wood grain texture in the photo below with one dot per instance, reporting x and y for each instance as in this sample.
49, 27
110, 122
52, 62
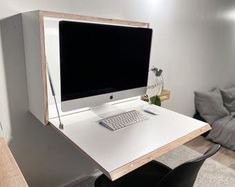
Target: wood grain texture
93, 19
165, 95
44, 66
10, 174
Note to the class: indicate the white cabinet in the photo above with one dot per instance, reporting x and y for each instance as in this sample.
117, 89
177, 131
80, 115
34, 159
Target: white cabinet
41, 43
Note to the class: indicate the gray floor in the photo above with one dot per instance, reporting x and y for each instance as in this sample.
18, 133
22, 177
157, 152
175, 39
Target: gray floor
224, 156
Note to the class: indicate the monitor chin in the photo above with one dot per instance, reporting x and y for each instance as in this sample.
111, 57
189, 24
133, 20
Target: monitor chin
98, 100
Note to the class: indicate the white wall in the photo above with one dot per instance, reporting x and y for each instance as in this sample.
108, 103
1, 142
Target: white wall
193, 43
44, 156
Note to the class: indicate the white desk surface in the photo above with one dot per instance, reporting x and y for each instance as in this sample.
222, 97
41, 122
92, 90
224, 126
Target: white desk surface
117, 153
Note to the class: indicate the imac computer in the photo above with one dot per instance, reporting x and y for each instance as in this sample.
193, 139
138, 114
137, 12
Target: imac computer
101, 63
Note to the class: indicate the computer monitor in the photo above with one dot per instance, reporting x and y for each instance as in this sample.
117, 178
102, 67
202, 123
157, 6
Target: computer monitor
101, 63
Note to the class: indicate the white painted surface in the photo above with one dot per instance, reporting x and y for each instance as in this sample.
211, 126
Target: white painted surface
113, 149
33, 60
193, 43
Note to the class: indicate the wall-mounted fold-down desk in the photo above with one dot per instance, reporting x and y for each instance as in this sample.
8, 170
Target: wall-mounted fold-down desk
117, 153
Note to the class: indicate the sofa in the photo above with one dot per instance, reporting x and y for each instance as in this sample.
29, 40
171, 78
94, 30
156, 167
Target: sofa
217, 107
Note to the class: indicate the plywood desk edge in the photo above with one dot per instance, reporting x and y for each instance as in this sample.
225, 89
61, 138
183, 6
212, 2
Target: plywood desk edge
121, 171
10, 174
67, 15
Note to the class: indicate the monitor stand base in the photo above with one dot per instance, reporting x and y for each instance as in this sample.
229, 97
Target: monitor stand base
106, 110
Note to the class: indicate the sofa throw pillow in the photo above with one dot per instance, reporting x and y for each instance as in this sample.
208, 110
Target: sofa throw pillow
228, 96
210, 105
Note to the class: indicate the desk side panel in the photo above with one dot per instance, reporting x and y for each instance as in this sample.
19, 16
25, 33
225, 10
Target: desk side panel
34, 66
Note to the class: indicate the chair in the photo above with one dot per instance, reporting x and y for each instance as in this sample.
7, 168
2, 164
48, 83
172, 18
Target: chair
155, 174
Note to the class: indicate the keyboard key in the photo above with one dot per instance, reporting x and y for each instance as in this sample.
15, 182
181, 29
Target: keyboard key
122, 120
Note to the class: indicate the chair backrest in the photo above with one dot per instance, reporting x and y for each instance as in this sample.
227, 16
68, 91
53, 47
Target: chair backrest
185, 174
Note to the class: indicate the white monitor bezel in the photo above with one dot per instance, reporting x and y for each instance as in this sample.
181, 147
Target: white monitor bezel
97, 100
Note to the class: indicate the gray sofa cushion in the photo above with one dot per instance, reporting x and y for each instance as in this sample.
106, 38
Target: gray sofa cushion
210, 105
228, 96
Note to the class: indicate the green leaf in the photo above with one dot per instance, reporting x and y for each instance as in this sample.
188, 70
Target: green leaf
155, 100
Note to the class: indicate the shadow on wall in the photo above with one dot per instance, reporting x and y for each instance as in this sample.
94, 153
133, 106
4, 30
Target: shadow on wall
44, 157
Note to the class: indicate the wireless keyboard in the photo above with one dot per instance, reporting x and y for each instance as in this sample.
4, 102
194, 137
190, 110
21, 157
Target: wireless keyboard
122, 120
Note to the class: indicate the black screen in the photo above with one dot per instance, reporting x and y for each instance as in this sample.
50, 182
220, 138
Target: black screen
97, 59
